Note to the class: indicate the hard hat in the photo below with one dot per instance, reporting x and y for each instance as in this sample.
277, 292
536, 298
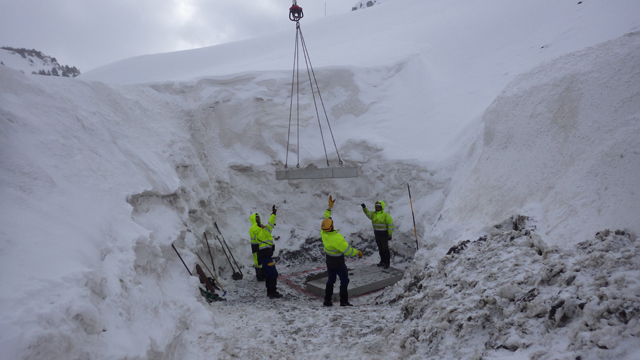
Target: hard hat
327, 224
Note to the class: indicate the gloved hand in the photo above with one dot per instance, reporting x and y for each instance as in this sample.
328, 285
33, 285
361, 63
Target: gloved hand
360, 254
363, 206
274, 210
389, 238
331, 201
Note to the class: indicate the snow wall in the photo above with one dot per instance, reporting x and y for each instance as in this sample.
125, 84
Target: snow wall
559, 145
101, 180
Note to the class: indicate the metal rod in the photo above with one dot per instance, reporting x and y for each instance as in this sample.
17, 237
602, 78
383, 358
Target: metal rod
413, 215
185, 265
225, 242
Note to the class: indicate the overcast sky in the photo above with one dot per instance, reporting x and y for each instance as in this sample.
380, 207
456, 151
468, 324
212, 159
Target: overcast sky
92, 33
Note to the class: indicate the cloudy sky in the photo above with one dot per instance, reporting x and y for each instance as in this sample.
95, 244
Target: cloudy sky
92, 33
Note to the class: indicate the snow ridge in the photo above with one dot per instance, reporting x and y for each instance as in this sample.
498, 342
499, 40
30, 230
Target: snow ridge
34, 62
500, 293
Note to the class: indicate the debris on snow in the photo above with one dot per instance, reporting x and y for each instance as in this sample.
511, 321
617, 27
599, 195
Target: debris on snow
498, 293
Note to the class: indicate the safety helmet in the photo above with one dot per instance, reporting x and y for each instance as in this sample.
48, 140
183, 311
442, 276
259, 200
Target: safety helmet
327, 224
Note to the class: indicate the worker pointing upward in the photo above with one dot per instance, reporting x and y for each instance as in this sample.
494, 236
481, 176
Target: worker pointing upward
382, 229
336, 248
261, 235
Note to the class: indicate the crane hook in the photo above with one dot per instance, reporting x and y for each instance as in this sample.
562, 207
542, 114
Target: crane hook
295, 12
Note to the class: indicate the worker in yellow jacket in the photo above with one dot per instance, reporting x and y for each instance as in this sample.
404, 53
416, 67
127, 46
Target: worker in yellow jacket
256, 227
336, 248
382, 230
265, 251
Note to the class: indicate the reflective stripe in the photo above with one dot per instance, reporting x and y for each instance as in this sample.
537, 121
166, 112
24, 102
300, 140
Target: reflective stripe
378, 226
335, 255
348, 251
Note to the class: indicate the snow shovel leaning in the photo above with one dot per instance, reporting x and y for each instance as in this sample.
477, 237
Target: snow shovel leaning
237, 275
215, 279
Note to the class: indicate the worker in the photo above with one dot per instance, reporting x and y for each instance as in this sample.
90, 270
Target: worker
265, 251
256, 227
336, 248
382, 229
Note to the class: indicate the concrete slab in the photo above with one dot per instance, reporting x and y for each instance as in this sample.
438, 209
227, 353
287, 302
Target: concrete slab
361, 281
325, 173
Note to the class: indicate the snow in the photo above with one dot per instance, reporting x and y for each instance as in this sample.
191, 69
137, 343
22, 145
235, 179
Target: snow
496, 114
17, 62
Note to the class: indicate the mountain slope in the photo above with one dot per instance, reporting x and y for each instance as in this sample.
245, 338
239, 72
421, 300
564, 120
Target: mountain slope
34, 62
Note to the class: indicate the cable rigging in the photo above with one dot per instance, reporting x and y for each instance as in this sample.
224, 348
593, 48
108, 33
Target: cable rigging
296, 14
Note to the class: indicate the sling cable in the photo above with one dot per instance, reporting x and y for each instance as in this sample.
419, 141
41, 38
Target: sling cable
296, 14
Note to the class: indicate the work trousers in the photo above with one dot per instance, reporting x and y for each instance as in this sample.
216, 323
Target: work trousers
382, 240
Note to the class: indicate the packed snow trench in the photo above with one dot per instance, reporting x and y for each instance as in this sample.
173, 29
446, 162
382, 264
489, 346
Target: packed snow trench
527, 232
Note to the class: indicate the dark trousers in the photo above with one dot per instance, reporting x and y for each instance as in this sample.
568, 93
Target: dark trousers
343, 274
382, 240
270, 273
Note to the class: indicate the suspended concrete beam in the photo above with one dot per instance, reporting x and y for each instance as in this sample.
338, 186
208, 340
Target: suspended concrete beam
361, 281
326, 173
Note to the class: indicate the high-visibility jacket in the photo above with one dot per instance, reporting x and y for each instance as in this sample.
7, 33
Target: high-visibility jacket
335, 246
380, 220
253, 233
261, 236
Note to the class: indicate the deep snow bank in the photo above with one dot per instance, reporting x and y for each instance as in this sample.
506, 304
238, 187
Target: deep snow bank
80, 269
559, 144
100, 180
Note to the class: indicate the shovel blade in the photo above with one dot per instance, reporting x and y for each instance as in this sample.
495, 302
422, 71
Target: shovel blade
237, 276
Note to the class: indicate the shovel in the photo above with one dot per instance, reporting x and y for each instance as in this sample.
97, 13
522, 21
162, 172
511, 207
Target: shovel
237, 275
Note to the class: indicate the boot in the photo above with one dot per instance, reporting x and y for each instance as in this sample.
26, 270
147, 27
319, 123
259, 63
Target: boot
344, 296
328, 294
387, 259
272, 291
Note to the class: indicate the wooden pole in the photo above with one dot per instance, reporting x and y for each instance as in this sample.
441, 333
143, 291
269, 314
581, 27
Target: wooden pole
185, 265
413, 215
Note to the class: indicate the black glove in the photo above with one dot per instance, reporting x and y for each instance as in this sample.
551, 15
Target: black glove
363, 206
274, 210
389, 239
